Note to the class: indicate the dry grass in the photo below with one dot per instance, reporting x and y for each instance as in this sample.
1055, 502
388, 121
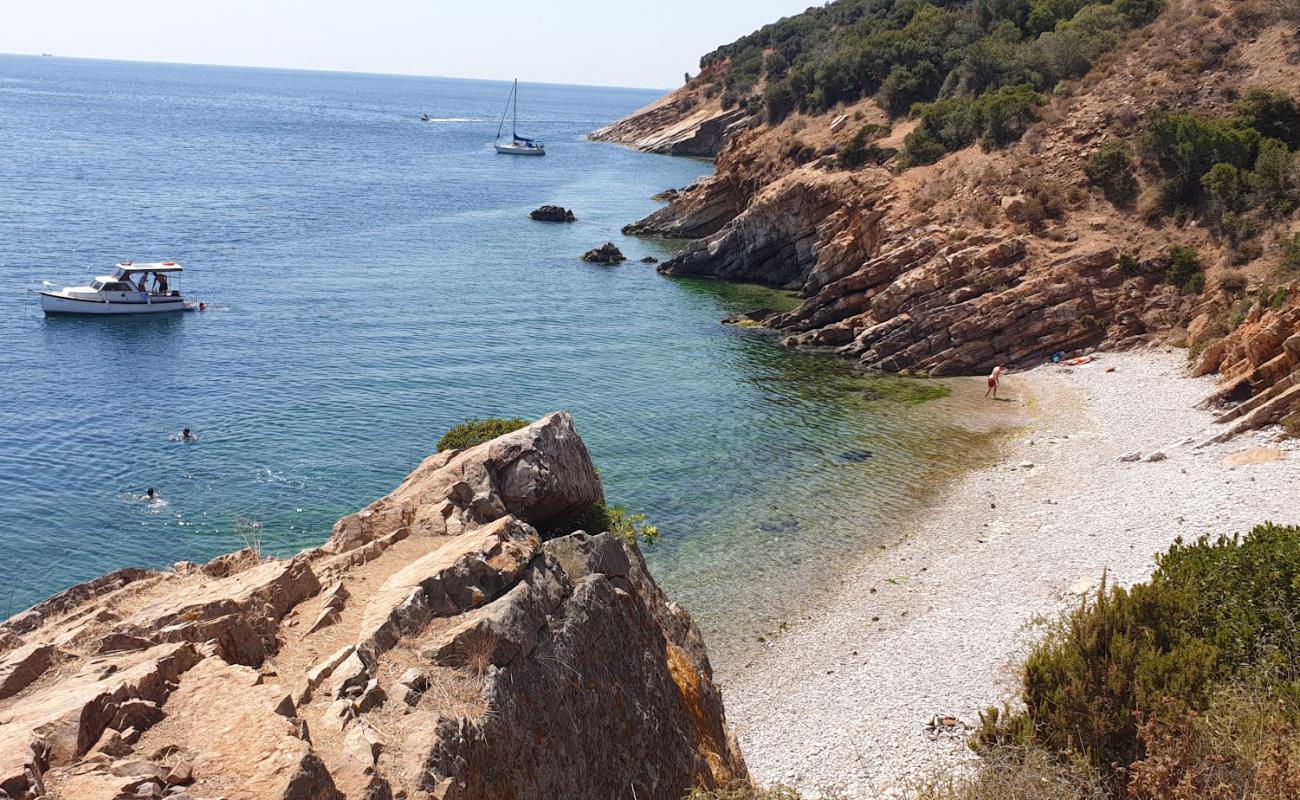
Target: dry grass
1011, 773
249, 533
745, 791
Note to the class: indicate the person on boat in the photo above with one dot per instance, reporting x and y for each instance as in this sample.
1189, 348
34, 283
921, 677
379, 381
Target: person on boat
160, 282
993, 379
140, 285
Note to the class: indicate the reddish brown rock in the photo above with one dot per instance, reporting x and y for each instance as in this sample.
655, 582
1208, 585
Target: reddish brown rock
241, 746
20, 667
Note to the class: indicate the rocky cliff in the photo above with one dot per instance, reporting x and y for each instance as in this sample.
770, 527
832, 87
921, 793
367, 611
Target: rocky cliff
439, 645
985, 257
1259, 367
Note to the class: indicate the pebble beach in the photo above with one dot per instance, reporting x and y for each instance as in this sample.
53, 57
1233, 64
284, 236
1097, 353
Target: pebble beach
1110, 470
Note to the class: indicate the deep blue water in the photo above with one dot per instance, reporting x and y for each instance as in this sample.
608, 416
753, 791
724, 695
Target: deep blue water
373, 281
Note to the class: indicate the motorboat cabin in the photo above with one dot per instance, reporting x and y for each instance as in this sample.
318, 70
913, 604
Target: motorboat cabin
130, 289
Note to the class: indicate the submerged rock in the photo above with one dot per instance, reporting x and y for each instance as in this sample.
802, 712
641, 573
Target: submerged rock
649, 260
607, 253
450, 565
750, 319
552, 214
855, 456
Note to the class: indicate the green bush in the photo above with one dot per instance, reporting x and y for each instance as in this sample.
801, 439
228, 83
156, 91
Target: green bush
861, 149
912, 51
1273, 113
779, 101
1185, 269
601, 518
1213, 611
1111, 169
1274, 178
1044, 14
1185, 146
477, 431
994, 119
1222, 186
1291, 252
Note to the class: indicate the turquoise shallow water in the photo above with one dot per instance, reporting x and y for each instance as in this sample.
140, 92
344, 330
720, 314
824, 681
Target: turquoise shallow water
374, 280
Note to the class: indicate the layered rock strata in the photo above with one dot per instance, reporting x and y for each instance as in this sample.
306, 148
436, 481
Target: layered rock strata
437, 646
679, 124
1259, 368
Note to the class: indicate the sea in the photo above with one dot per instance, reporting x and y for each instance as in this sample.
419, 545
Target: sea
372, 279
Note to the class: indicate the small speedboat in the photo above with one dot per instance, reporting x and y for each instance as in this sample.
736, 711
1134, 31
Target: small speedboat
518, 145
426, 118
126, 291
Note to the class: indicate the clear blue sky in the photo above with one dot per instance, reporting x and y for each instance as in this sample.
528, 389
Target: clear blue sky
602, 42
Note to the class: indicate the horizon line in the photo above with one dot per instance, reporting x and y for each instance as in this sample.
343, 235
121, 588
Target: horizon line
330, 71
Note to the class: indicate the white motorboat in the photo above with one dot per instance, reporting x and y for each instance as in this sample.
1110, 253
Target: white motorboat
518, 145
126, 291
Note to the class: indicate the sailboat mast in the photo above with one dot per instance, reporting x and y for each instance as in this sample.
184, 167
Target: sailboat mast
514, 120
502, 124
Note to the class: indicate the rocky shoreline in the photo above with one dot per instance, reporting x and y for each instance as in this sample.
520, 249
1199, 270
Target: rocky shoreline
452, 640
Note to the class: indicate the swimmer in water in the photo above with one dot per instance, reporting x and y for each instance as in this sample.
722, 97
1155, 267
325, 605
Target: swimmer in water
151, 496
186, 436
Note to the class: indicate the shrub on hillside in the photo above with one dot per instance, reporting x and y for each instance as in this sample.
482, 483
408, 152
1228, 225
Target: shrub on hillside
1111, 169
862, 148
1214, 612
995, 119
1273, 113
1222, 186
778, 101
1185, 270
1274, 178
912, 52
1184, 147
477, 431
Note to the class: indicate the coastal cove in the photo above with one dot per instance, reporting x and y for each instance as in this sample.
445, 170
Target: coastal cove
373, 281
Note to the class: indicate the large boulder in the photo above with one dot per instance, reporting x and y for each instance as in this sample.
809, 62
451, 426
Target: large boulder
552, 214
606, 254
541, 474
467, 655
632, 711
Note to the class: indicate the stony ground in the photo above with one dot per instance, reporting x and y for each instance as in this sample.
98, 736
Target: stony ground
936, 625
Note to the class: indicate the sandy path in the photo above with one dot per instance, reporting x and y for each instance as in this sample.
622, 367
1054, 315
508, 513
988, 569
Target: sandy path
937, 624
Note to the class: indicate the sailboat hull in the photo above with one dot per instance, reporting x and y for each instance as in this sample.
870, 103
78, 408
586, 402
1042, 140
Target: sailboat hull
520, 149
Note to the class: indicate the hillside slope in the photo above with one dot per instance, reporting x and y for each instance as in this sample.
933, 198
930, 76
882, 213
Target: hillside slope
1085, 231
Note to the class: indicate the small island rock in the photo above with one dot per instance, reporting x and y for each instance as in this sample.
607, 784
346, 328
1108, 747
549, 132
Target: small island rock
552, 214
607, 253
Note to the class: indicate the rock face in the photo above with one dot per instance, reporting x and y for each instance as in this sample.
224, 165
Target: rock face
552, 214
928, 299
607, 254
1259, 365
465, 655
680, 124
700, 210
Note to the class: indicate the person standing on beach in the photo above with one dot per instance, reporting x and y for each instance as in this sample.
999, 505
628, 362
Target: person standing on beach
994, 377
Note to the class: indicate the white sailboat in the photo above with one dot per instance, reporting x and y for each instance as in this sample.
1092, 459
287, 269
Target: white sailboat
518, 145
